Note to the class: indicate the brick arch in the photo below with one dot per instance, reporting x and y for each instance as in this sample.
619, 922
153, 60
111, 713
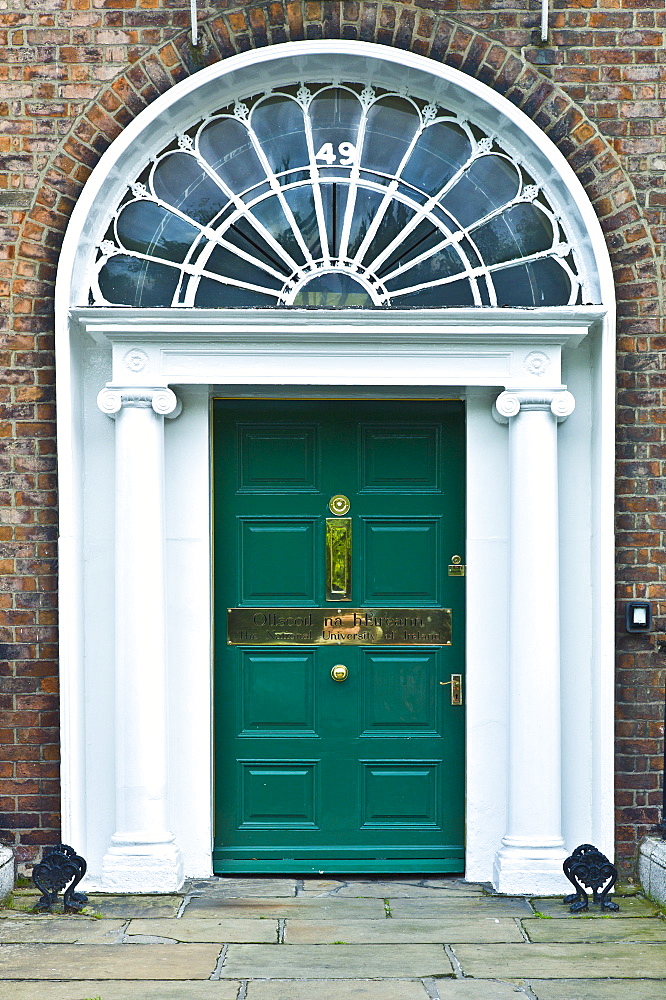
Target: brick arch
394, 24
242, 27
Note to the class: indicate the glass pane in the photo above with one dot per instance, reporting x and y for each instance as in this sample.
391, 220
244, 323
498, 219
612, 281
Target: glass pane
394, 220
128, 281
278, 125
539, 283
442, 264
214, 295
365, 210
244, 236
146, 227
182, 182
458, 293
423, 237
226, 263
392, 124
441, 151
334, 202
227, 147
520, 231
335, 115
490, 183
333, 291
302, 204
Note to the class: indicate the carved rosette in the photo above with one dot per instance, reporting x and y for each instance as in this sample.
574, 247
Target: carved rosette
508, 404
163, 400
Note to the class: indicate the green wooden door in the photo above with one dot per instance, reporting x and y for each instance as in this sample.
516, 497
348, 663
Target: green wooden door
366, 774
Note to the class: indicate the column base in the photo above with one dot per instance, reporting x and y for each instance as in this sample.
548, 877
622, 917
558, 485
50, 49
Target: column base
137, 865
530, 871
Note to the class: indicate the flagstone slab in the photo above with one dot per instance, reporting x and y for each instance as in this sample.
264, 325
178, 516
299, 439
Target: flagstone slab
462, 906
133, 906
207, 929
478, 989
595, 989
401, 931
410, 961
115, 990
97, 961
61, 929
596, 929
556, 961
320, 908
630, 906
338, 989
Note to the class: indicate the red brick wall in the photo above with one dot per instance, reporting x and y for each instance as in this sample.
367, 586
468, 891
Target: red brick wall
74, 72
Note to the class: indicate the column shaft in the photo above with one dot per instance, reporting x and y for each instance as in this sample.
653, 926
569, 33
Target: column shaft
142, 855
533, 849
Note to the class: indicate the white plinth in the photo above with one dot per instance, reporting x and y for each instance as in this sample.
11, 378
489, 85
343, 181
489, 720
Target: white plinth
142, 867
529, 871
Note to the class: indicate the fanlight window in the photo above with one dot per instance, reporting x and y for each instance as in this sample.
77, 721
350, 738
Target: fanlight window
335, 196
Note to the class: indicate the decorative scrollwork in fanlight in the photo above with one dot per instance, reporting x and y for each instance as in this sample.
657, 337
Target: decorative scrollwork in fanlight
331, 196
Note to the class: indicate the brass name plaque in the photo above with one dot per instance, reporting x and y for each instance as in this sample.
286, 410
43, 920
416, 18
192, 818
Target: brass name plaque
339, 626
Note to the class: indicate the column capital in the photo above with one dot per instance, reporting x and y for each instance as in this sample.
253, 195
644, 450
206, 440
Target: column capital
509, 403
161, 399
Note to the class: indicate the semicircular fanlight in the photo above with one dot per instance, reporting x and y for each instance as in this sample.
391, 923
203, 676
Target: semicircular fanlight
335, 196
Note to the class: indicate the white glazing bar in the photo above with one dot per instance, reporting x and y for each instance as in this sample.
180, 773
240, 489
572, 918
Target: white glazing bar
277, 190
316, 188
544, 20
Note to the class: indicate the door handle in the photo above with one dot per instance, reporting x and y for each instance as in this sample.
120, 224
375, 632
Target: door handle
456, 688
339, 672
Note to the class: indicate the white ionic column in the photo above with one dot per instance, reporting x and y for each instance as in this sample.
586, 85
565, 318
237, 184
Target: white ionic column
142, 855
530, 860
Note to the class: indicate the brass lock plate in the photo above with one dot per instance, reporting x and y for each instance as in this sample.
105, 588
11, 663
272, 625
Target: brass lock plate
456, 566
456, 688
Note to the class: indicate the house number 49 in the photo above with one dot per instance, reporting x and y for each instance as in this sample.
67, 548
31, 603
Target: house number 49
346, 152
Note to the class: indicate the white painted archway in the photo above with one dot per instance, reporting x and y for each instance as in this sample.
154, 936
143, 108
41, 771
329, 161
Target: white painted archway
136, 652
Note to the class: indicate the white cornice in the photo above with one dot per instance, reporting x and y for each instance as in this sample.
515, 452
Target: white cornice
557, 326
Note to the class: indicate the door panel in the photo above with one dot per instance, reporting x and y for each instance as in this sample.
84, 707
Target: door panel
278, 560
311, 774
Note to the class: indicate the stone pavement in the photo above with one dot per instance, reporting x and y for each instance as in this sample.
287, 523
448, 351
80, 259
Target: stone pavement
327, 939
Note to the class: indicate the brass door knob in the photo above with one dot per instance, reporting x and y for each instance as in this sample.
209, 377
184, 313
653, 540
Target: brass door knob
339, 672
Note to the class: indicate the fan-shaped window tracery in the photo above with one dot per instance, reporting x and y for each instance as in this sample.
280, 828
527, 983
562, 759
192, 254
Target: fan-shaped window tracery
335, 196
